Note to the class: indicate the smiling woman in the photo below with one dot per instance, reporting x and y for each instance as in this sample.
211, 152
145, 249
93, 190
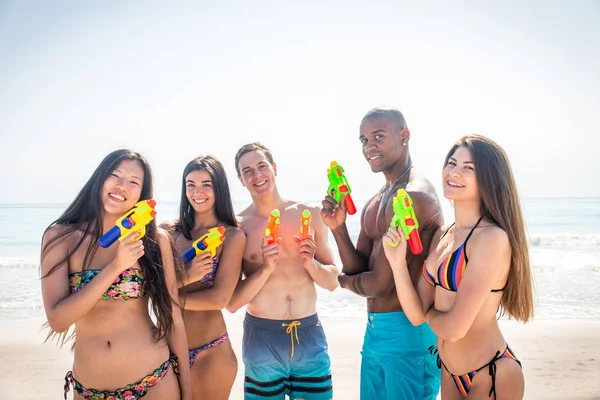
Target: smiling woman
104, 292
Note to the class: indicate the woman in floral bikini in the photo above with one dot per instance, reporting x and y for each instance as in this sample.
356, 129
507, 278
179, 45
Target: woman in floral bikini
208, 282
119, 352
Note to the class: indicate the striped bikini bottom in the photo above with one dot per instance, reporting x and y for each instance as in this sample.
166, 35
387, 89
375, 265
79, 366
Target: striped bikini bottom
463, 382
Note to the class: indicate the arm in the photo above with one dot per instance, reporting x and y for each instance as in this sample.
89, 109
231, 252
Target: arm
380, 281
377, 282
489, 258
178, 340
415, 301
248, 288
63, 309
354, 259
218, 296
317, 257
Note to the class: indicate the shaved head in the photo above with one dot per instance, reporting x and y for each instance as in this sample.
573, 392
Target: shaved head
387, 112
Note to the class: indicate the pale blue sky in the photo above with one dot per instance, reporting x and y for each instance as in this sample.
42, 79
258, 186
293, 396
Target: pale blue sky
179, 80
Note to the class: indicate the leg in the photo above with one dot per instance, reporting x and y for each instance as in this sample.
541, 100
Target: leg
372, 383
265, 376
213, 372
310, 377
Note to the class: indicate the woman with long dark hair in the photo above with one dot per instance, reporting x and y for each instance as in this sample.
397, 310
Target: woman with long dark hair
208, 283
119, 351
478, 265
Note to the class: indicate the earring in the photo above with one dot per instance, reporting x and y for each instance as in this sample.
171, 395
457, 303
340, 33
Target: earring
404, 144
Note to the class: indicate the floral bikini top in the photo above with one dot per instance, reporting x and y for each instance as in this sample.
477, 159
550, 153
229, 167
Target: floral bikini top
128, 285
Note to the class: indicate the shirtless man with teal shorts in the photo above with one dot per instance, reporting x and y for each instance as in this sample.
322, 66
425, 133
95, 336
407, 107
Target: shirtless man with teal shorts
284, 346
396, 363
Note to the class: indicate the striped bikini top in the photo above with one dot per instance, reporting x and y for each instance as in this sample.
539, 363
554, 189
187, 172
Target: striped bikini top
450, 271
128, 285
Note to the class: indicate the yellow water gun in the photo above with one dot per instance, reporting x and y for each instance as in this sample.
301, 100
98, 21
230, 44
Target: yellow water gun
207, 242
134, 220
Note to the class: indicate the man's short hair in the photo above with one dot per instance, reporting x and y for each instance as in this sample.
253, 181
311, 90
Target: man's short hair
247, 148
388, 112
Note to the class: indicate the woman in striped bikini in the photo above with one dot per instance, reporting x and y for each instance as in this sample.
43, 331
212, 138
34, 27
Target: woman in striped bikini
208, 282
461, 303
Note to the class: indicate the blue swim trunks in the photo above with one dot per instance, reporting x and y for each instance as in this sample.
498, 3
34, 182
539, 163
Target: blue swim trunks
396, 363
286, 357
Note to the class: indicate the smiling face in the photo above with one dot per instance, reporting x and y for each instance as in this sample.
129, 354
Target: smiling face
256, 172
123, 187
381, 140
199, 190
459, 177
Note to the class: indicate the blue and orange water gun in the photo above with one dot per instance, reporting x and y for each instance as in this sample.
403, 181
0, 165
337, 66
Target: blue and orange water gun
404, 216
273, 226
338, 186
134, 220
207, 242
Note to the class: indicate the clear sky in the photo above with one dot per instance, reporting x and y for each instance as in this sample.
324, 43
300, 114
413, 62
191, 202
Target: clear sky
181, 79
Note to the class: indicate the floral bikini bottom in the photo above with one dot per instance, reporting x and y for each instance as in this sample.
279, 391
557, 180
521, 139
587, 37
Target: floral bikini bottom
193, 353
132, 391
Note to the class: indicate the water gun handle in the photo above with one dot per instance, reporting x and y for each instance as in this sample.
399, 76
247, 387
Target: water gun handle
350, 207
189, 255
110, 237
414, 241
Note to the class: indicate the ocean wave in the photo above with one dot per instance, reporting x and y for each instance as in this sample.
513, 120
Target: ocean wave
566, 240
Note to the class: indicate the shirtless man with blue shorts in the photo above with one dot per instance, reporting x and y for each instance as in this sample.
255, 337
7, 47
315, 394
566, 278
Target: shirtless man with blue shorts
284, 346
396, 363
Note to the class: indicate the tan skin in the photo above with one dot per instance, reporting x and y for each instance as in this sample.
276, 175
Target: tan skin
279, 277
366, 270
214, 369
115, 345
464, 321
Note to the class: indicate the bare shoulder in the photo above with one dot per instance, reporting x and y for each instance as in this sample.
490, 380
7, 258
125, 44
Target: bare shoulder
168, 225
492, 235
246, 215
163, 238
421, 190
233, 232
56, 232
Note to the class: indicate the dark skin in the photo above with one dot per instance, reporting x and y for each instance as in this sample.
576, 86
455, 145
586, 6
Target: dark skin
366, 270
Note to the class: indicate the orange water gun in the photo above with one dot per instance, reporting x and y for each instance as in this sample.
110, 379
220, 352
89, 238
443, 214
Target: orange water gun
305, 224
273, 226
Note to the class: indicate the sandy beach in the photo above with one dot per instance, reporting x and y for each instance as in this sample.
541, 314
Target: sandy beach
561, 358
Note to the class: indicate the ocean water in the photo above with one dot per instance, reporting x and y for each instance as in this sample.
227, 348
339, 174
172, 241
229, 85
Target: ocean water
564, 237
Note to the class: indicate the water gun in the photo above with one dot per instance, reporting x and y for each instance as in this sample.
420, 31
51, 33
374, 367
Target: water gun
404, 216
305, 224
207, 242
273, 226
339, 184
134, 220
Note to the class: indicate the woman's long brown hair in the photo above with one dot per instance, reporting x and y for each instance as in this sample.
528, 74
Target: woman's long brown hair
500, 204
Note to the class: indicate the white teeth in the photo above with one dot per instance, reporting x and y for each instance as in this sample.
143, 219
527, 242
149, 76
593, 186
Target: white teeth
117, 196
454, 184
374, 158
200, 201
260, 183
